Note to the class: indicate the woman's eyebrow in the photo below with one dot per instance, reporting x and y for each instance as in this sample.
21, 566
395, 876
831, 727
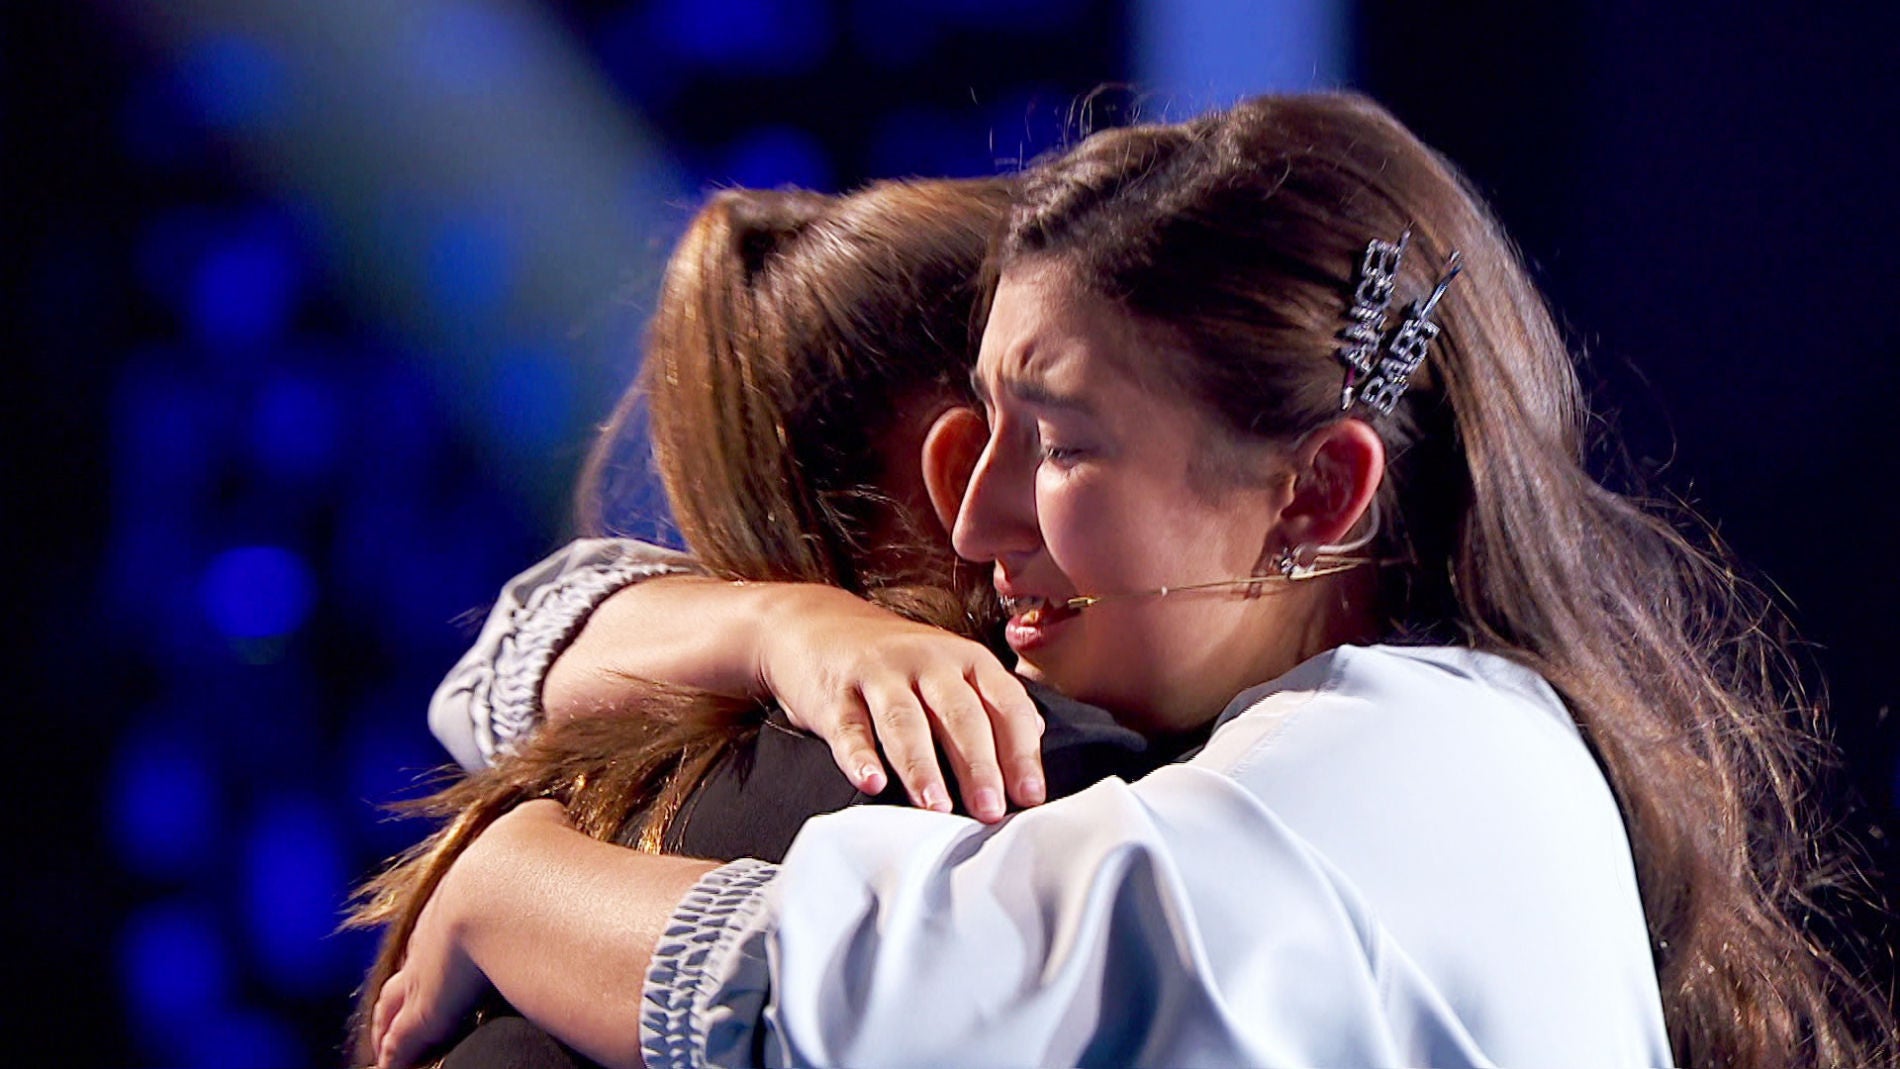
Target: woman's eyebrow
1032, 391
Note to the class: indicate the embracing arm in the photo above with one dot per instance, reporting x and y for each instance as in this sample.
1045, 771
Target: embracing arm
577, 635
1117, 926
562, 924
492, 699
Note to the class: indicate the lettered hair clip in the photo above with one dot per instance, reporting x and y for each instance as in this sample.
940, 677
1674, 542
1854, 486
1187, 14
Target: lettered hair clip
1377, 368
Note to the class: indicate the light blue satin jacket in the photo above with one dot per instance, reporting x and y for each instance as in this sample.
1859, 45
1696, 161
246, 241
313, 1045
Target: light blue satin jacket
1388, 857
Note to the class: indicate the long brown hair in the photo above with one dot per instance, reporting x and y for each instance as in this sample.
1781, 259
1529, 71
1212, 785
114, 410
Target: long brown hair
799, 345
1241, 232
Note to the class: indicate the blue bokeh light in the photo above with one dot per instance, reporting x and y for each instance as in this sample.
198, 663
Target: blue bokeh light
244, 1039
295, 882
1201, 54
162, 805
296, 426
245, 284
776, 156
254, 592
164, 448
175, 966
760, 37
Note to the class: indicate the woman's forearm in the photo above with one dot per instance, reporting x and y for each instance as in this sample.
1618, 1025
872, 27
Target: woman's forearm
564, 925
856, 674
686, 631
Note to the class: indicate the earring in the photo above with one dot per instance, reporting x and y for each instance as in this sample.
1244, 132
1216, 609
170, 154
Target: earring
1295, 563
1307, 561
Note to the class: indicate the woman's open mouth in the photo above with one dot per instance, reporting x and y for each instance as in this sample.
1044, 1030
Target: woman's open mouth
1033, 619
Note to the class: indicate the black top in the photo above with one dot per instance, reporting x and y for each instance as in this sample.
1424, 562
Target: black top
753, 803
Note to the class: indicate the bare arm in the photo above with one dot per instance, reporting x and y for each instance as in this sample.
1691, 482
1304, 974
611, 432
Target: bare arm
848, 671
689, 631
562, 924
582, 633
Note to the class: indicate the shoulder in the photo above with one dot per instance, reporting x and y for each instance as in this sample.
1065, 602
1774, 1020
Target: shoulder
1453, 792
1449, 707
1452, 746
1421, 773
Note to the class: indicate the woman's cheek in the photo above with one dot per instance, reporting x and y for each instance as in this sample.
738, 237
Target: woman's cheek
1087, 536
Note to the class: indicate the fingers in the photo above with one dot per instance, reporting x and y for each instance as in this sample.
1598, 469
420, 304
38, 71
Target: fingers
906, 692
854, 748
963, 725
402, 1045
904, 729
379, 1017
389, 1004
1017, 728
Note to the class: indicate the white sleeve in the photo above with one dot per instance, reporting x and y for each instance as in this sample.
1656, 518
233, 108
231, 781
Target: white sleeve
491, 699
1174, 922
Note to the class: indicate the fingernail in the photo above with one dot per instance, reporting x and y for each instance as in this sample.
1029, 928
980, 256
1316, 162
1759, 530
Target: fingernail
984, 802
935, 798
871, 779
1033, 790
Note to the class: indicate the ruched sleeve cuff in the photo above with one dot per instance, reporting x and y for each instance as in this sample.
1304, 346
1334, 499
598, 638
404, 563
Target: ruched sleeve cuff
708, 982
491, 700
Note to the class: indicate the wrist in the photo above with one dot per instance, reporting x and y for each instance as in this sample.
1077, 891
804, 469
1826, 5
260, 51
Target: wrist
781, 617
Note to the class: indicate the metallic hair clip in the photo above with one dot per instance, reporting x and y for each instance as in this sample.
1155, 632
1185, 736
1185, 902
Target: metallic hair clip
1405, 351
1365, 319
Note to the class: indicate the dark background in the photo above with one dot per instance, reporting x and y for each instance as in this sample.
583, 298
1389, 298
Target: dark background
290, 393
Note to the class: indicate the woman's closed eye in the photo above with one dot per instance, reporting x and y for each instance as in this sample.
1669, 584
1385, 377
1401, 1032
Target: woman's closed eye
1061, 454
1062, 446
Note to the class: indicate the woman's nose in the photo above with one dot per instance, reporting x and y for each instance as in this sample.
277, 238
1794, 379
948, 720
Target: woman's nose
998, 517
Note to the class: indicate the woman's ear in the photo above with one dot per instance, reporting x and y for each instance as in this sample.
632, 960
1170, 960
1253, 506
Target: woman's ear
951, 448
1339, 468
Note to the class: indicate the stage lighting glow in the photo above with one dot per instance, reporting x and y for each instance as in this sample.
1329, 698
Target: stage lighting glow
758, 36
472, 49
244, 1039
175, 966
162, 805
295, 882
296, 426
255, 592
1200, 54
245, 285
776, 156
470, 268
